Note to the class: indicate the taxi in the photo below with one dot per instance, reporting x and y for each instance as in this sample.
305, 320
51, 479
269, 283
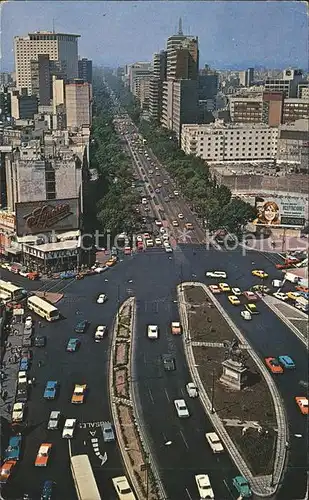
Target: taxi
302, 288
214, 289
43, 455
259, 273
251, 308
273, 365
78, 395
176, 328
302, 402
6, 470
293, 295
234, 300
224, 287
111, 262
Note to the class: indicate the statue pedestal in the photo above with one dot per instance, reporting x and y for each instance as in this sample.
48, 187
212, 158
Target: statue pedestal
234, 374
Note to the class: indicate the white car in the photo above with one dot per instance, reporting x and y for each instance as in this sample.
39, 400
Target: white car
18, 412
54, 420
214, 442
181, 408
216, 274
168, 248
236, 291
139, 238
246, 315
152, 331
122, 488
69, 428
101, 298
158, 241
175, 223
192, 390
22, 377
99, 333
180, 216
281, 296
28, 322
158, 223
165, 237
176, 193
100, 270
204, 486
149, 243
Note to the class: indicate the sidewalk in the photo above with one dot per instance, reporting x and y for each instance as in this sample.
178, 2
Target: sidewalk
295, 319
51, 297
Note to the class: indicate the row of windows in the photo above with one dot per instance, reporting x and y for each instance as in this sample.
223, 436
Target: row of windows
216, 155
244, 149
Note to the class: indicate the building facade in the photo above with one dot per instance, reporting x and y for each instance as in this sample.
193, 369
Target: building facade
78, 104
23, 106
156, 85
288, 84
85, 70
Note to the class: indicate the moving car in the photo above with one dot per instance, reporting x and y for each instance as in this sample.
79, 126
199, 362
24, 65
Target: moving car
43, 455
192, 390
281, 296
259, 273
101, 298
13, 450
21, 393
100, 333
224, 287
51, 388
22, 377
18, 413
273, 365
149, 243
39, 341
79, 392
234, 300
108, 432
260, 288
215, 274
176, 193
168, 248
54, 420
293, 295
158, 241
111, 262
175, 223
181, 408
72, 345
122, 488
236, 291
26, 353
24, 364
152, 331
176, 328
302, 402
180, 216
69, 428
286, 362
81, 326
47, 490
204, 487
168, 362
6, 470
29, 322
242, 486
214, 289
246, 315
214, 442
251, 308
189, 226
250, 296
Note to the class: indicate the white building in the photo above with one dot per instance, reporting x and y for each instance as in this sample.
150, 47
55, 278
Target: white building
218, 142
78, 104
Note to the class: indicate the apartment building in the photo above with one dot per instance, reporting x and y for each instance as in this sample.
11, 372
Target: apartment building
85, 70
219, 142
293, 143
266, 107
60, 47
156, 85
246, 77
141, 86
295, 109
78, 104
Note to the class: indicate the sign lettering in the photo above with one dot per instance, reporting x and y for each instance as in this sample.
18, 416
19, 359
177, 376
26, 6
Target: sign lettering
90, 425
47, 216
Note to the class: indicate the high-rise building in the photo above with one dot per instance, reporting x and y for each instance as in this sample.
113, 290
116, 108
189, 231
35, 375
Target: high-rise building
23, 106
246, 77
288, 84
40, 79
156, 85
85, 70
58, 46
5, 105
78, 103
141, 85
267, 107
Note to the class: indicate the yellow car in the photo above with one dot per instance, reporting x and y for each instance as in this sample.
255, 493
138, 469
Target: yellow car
234, 300
78, 395
293, 295
260, 273
251, 308
224, 287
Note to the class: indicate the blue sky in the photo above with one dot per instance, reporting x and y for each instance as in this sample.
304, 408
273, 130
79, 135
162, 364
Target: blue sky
231, 34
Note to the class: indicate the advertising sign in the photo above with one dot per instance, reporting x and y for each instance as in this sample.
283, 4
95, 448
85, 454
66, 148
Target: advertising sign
281, 211
7, 221
43, 216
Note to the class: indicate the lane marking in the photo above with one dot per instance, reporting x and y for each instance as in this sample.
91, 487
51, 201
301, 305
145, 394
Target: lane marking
188, 493
166, 393
184, 439
151, 396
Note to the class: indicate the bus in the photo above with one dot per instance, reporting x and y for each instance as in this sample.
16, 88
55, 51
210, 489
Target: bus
84, 481
43, 308
8, 291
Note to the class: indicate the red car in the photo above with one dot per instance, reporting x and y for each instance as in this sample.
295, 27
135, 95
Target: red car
273, 365
250, 296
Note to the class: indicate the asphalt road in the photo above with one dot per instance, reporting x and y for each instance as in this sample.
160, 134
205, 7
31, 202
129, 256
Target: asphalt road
154, 276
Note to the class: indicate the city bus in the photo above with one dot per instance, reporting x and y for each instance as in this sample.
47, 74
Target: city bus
8, 291
43, 308
84, 481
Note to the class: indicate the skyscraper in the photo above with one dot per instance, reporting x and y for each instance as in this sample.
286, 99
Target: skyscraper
58, 46
85, 70
156, 85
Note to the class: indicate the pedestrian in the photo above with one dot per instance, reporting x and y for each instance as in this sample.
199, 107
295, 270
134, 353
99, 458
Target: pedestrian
39, 364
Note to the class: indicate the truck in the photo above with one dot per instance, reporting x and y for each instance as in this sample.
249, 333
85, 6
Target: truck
302, 304
290, 276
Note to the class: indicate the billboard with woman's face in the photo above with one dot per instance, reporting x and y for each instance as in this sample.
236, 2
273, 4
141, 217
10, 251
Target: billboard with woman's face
286, 212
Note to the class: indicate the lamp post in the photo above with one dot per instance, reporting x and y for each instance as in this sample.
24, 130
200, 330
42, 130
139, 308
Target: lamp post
213, 392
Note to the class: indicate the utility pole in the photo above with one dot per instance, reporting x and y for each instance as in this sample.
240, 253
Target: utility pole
147, 476
213, 392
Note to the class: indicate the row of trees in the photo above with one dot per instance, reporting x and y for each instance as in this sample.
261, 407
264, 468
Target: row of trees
212, 202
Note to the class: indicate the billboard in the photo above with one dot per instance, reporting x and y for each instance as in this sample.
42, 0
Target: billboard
280, 212
35, 217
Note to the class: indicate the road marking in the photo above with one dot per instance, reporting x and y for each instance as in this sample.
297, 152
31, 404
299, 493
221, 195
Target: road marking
151, 396
187, 491
166, 393
228, 488
184, 439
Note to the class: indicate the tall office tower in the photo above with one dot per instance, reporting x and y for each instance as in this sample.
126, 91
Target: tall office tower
78, 103
156, 85
58, 46
181, 64
288, 84
85, 70
246, 77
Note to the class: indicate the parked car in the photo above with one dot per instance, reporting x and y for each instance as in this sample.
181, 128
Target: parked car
43, 455
51, 388
108, 432
122, 488
13, 450
192, 390
47, 490
54, 420
69, 428
242, 486
72, 345
6, 470
214, 442
81, 326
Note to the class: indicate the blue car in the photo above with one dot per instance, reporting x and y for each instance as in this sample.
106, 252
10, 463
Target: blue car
72, 345
51, 389
286, 362
82, 326
13, 450
47, 490
67, 275
24, 364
